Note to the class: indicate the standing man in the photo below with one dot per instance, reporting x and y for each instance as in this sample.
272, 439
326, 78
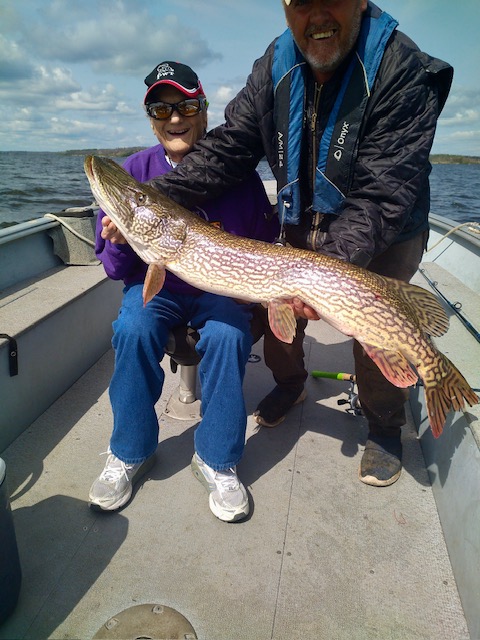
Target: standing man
345, 108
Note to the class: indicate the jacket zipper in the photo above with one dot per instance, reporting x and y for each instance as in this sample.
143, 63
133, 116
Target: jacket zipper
313, 129
315, 221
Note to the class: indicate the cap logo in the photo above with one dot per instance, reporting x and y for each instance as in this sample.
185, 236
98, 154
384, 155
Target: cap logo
164, 70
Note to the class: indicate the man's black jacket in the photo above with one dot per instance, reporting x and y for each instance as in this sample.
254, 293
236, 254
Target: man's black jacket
389, 198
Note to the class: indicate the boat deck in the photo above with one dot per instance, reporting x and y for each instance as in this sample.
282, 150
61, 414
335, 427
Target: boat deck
321, 556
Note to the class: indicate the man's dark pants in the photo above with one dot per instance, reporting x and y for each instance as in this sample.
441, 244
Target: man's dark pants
382, 403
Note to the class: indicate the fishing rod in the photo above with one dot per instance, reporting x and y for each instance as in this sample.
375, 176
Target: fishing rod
350, 377
455, 306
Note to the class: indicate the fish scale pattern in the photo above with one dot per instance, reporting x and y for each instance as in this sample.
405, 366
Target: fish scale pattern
392, 320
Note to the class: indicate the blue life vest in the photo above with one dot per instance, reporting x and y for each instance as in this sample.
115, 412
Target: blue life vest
338, 144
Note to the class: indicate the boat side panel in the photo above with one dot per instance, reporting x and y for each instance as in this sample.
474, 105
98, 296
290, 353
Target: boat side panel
56, 349
453, 460
26, 257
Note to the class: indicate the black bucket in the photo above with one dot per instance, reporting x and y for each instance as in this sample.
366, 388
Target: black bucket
10, 572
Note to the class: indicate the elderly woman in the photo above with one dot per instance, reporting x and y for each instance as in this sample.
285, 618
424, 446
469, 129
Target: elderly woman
177, 108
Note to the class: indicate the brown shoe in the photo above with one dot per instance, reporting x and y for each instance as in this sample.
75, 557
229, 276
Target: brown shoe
381, 463
273, 408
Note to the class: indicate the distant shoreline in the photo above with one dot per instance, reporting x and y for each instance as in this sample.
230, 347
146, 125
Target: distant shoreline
440, 158
123, 152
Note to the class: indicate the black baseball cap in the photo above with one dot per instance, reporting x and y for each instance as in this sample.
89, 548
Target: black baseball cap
177, 75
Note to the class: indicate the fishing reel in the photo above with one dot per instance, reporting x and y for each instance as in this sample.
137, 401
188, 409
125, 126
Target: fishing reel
352, 400
352, 396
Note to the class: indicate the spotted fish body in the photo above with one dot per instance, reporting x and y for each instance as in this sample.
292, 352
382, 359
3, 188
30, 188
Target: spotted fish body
391, 319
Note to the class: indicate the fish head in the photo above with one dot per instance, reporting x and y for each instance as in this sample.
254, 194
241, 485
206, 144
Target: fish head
141, 213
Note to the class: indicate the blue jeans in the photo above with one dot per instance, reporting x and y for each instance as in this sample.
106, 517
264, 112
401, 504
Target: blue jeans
140, 336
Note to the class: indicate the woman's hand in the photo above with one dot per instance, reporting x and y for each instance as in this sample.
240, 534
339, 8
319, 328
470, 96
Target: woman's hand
110, 232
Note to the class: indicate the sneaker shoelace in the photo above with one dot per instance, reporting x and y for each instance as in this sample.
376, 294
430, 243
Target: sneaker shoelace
116, 468
227, 479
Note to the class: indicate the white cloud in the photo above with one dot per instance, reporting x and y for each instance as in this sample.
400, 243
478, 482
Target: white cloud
122, 38
459, 125
472, 134
105, 100
224, 94
124, 109
62, 126
462, 117
14, 63
40, 81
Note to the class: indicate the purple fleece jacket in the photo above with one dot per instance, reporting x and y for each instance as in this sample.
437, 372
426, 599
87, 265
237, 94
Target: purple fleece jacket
244, 211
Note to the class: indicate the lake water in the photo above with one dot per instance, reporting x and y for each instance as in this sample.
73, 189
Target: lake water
32, 184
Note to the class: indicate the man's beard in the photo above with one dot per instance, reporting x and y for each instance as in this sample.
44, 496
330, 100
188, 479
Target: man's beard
337, 57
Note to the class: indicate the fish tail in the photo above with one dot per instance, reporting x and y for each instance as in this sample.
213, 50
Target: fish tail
446, 391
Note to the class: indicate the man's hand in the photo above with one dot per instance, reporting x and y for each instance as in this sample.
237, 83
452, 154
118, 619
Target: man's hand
110, 232
303, 310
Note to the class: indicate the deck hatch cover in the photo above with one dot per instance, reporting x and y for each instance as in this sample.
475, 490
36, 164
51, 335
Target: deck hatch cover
147, 622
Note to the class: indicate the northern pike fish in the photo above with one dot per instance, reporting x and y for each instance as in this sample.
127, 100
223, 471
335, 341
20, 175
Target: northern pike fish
392, 320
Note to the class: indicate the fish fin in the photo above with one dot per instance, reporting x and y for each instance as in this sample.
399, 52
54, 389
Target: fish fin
281, 318
444, 391
424, 305
393, 364
154, 279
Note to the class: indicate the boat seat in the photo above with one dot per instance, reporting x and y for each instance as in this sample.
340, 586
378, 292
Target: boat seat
183, 404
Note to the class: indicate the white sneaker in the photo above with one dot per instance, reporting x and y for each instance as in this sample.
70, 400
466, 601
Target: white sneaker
113, 488
228, 499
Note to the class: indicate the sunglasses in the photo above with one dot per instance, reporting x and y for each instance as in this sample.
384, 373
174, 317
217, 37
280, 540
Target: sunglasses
188, 108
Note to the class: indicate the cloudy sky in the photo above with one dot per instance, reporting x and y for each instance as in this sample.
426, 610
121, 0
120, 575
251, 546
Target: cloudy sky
71, 71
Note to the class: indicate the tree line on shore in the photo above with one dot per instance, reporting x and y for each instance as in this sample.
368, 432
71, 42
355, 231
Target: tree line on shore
123, 152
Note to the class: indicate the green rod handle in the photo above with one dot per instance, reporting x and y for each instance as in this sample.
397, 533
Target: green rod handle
334, 376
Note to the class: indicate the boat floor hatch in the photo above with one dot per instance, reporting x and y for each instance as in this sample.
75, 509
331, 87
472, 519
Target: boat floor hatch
146, 621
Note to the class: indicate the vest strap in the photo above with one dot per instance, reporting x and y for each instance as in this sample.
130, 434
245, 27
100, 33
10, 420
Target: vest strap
338, 145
